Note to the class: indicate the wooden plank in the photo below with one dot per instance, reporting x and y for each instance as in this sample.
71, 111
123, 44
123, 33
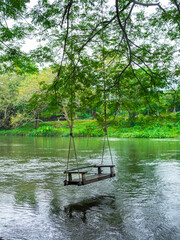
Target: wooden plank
89, 179
75, 172
74, 169
90, 166
104, 166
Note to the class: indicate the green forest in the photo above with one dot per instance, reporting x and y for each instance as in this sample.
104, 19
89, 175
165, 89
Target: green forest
90, 65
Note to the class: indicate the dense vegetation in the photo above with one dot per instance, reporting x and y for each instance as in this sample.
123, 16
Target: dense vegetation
117, 61
141, 127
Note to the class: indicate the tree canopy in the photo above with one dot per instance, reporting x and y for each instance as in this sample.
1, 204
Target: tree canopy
134, 45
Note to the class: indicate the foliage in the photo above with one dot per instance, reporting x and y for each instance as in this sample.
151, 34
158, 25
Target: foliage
14, 29
100, 55
178, 114
90, 131
46, 131
19, 120
144, 127
8, 98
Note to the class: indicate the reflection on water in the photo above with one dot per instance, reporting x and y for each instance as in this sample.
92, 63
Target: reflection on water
87, 205
141, 202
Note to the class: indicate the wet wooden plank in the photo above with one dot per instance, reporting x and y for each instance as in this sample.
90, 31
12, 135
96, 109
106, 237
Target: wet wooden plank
75, 169
111, 165
89, 179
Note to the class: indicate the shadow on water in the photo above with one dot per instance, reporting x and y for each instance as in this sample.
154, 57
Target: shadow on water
91, 218
86, 205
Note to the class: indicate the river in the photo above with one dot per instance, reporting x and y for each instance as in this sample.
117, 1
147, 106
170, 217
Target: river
141, 202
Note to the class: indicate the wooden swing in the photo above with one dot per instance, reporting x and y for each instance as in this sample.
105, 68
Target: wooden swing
84, 177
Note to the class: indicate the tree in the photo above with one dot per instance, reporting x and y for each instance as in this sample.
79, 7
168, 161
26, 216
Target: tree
73, 29
14, 28
84, 39
31, 91
8, 98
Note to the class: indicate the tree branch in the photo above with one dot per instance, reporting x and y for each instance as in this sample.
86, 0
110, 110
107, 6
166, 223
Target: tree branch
129, 14
149, 5
177, 5
66, 37
123, 30
92, 35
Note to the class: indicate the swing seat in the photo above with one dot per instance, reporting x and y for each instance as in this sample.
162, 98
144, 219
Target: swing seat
86, 179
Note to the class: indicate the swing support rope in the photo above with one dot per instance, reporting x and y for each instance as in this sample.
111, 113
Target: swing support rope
104, 93
106, 139
71, 136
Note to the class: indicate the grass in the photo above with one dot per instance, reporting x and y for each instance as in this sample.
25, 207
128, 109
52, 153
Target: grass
141, 127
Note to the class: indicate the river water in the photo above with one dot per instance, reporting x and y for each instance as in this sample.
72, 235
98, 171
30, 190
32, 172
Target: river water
141, 202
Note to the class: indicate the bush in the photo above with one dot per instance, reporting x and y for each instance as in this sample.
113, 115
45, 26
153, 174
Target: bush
46, 131
84, 116
178, 114
90, 131
19, 120
145, 127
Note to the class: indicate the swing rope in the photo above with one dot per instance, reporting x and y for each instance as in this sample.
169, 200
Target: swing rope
72, 119
106, 139
104, 93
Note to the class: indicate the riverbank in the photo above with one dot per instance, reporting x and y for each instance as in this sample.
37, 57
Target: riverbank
142, 127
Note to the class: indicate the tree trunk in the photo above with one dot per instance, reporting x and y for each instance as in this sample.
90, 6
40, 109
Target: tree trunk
36, 120
66, 115
5, 122
35, 123
93, 114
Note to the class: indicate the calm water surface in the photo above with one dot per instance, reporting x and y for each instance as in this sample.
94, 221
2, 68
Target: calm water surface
141, 202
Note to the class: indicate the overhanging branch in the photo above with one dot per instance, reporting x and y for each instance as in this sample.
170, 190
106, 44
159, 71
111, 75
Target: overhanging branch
149, 5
